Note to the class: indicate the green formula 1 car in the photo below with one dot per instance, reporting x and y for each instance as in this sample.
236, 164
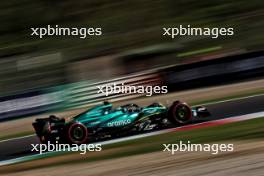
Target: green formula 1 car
103, 121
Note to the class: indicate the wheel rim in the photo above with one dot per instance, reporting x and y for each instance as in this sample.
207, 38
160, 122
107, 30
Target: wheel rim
78, 133
183, 113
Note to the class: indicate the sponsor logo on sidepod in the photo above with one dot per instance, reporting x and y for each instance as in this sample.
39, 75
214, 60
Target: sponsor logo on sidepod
119, 123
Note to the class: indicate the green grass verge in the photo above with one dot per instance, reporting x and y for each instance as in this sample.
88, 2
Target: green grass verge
238, 131
246, 130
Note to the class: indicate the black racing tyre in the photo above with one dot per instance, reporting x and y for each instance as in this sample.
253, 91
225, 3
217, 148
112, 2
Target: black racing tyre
43, 128
77, 133
47, 136
180, 113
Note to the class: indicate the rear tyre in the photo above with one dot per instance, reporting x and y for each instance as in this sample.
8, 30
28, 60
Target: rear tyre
77, 133
49, 129
43, 131
180, 113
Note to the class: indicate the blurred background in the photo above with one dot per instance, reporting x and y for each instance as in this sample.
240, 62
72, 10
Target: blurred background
59, 75
55, 72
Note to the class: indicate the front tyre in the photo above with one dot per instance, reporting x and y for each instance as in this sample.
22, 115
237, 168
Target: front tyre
77, 133
180, 113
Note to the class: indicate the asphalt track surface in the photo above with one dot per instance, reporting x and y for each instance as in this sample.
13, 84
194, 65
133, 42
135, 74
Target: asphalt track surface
22, 146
